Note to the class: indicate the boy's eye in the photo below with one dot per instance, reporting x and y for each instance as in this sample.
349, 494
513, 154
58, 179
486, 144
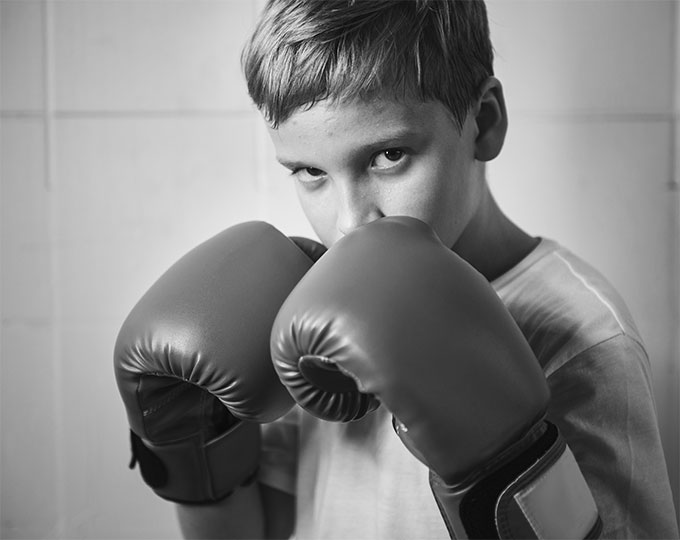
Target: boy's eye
388, 158
309, 174
312, 171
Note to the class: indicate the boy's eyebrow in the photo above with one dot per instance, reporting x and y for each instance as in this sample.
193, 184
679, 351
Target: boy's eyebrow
292, 165
397, 137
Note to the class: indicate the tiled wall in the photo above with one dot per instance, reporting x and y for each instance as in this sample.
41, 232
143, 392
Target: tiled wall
127, 137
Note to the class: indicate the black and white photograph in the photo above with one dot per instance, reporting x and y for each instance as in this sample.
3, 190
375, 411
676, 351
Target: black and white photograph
339, 269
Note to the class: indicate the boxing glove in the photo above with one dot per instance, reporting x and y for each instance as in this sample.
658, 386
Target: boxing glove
390, 315
193, 366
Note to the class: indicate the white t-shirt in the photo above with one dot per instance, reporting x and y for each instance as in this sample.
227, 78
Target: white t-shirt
357, 480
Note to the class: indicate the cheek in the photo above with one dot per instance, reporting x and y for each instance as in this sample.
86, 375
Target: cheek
440, 200
434, 187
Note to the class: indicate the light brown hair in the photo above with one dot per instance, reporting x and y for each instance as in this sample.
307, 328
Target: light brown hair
305, 51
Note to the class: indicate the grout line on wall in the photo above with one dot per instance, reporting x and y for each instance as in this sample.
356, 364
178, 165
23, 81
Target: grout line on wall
594, 116
262, 193
528, 114
56, 308
48, 97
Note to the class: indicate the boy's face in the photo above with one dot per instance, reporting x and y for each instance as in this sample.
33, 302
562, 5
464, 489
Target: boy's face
355, 162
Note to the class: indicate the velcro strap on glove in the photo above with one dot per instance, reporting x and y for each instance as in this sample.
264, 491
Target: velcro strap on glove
194, 472
540, 493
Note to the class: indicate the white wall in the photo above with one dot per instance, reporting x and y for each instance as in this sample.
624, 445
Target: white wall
591, 157
127, 138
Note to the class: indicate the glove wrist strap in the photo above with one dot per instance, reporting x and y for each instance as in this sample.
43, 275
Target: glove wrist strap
193, 471
539, 493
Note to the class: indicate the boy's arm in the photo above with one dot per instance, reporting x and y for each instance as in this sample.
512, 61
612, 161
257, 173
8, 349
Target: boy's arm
254, 511
238, 516
603, 404
279, 512
258, 510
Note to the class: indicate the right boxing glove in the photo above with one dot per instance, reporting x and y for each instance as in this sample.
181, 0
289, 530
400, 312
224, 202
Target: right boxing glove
392, 315
193, 366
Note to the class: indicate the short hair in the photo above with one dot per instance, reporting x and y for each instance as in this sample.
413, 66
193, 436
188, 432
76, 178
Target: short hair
306, 51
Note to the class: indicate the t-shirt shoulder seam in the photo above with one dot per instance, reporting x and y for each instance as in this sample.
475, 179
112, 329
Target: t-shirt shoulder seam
593, 290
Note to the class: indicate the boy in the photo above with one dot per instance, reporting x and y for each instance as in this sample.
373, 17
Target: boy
383, 108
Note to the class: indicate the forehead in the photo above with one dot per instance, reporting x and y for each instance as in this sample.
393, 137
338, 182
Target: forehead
358, 123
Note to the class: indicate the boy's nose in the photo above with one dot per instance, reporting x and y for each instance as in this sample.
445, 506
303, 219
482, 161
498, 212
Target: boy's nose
355, 207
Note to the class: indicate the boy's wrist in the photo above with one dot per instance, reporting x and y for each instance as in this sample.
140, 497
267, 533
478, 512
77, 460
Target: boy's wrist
192, 471
537, 491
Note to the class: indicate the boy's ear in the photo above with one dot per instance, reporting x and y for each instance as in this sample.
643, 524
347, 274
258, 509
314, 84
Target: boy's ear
492, 120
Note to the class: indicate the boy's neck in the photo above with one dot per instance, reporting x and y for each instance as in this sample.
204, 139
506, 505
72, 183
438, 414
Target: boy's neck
492, 243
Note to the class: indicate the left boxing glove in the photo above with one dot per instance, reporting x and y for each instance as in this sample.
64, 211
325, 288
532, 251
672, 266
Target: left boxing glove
193, 366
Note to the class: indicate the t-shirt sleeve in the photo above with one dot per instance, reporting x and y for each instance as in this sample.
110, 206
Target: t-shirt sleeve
603, 404
278, 461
